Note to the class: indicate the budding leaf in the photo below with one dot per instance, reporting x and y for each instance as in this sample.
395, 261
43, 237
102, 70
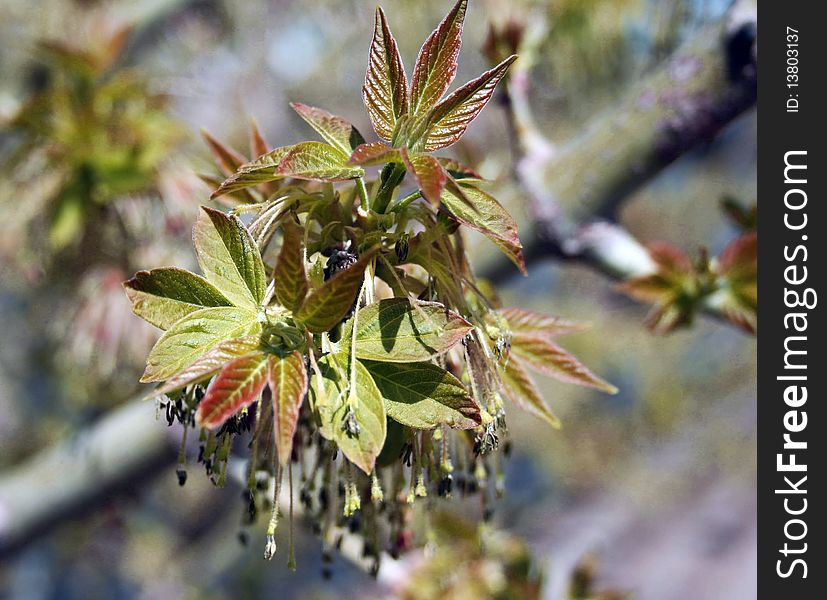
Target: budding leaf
522, 391
164, 296
336, 131
385, 92
194, 336
290, 276
209, 364
429, 174
737, 293
401, 330
327, 305
237, 386
423, 395
436, 65
449, 119
317, 161
287, 377
229, 257
547, 358
481, 211
335, 404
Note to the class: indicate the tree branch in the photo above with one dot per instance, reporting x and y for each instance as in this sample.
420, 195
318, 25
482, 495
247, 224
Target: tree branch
574, 189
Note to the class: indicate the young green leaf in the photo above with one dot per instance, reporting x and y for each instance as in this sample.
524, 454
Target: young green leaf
423, 395
522, 320
375, 153
237, 386
481, 211
429, 174
449, 119
546, 357
194, 335
264, 169
399, 330
209, 364
164, 296
336, 131
436, 65
335, 403
385, 92
317, 161
229, 257
327, 305
457, 170
290, 276
287, 377
522, 391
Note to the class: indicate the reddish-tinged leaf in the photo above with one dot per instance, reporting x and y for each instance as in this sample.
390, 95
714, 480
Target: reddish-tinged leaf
669, 258
264, 169
316, 161
458, 170
237, 386
375, 153
227, 159
328, 304
209, 364
522, 391
739, 260
287, 377
258, 145
336, 131
290, 276
522, 320
547, 358
429, 174
481, 211
450, 118
385, 92
436, 65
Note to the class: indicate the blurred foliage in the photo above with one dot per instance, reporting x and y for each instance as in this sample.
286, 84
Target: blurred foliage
91, 133
469, 562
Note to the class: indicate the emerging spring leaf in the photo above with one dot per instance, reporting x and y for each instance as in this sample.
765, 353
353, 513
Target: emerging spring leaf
436, 65
237, 386
164, 296
290, 277
287, 377
229, 257
364, 403
327, 305
481, 211
429, 174
521, 320
194, 336
449, 119
423, 395
400, 330
522, 391
316, 161
546, 357
336, 131
209, 364
385, 92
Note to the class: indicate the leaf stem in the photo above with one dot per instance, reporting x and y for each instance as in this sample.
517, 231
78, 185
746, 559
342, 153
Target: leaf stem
391, 177
404, 202
363, 193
